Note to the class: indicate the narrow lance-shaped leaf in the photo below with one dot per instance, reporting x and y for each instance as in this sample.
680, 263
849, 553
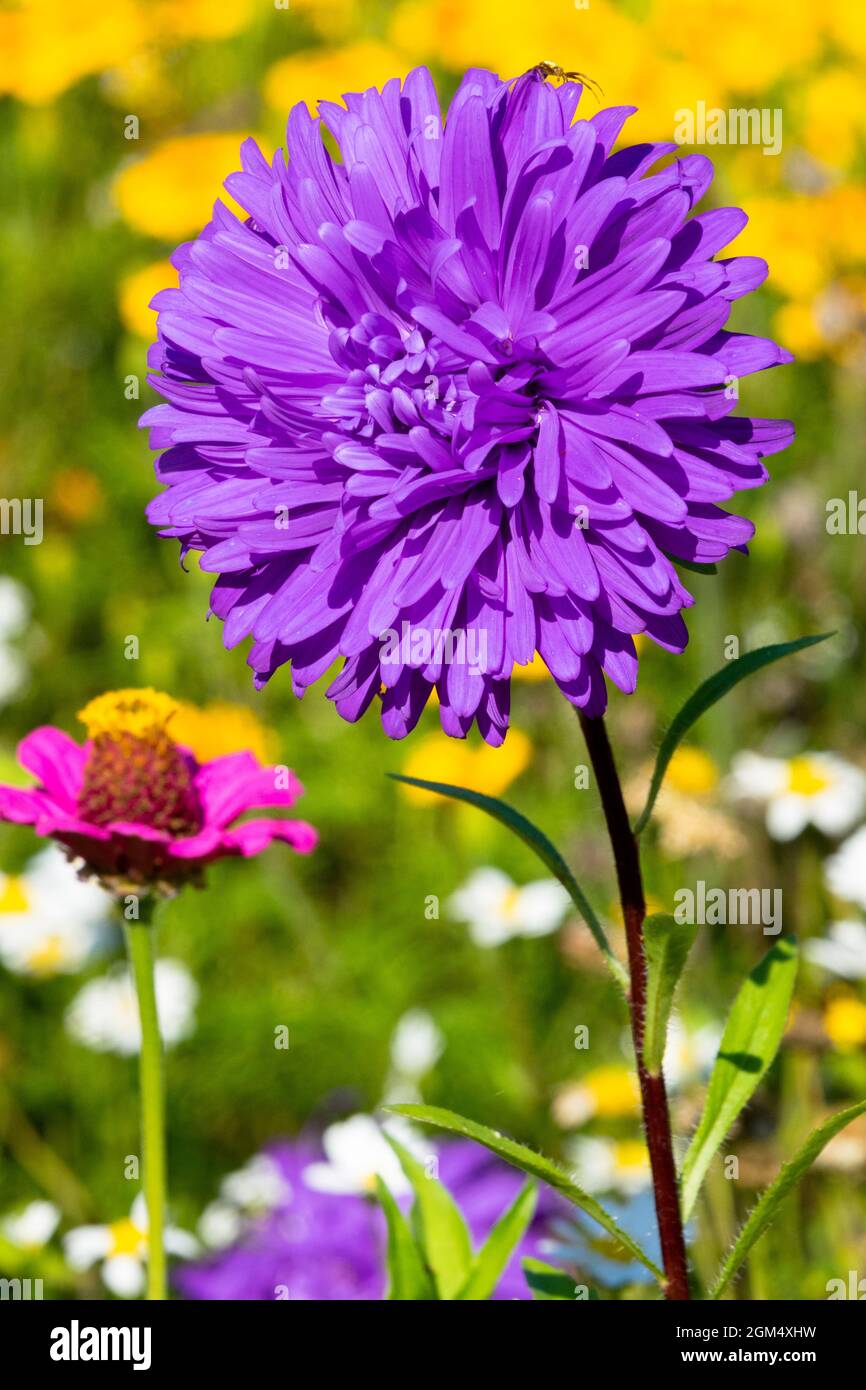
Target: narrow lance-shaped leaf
441, 1228
750, 1041
532, 1163
667, 943
408, 1280
704, 697
768, 1204
500, 1245
549, 1283
546, 851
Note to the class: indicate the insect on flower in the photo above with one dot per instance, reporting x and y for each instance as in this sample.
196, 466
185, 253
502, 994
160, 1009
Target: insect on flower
546, 69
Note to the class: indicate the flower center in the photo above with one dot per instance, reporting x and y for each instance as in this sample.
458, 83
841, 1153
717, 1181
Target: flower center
135, 771
804, 778
48, 957
125, 1237
13, 895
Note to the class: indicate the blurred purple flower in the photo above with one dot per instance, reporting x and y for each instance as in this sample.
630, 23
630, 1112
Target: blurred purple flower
457, 399
324, 1246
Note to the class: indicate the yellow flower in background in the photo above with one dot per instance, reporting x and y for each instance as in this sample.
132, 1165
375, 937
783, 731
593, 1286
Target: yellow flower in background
845, 1022
609, 1093
534, 671
692, 772
509, 36
212, 730
686, 819
334, 19
324, 75
830, 115
796, 325
745, 48
200, 19
135, 292
47, 47
784, 232
170, 192
438, 758
846, 26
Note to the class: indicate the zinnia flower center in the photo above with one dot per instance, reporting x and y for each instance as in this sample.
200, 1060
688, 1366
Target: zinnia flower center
135, 771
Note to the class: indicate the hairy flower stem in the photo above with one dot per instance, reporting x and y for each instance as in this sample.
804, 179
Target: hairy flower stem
654, 1102
140, 942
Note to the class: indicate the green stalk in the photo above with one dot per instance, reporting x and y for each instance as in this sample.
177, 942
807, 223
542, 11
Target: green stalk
140, 942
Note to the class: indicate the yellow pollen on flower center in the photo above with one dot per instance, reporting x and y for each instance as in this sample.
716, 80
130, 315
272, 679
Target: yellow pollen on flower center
135, 771
142, 714
126, 1238
804, 779
13, 896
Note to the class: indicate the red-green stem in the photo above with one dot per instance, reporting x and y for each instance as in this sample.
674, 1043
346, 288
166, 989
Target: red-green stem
654, 1102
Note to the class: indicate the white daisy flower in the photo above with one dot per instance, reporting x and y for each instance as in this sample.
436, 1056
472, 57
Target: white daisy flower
842, 951
416, 1046
690, 1052
251, 1191
14, 613
819, 789
357, 1152
608, 1165
496, 910
121, 1249
104, 1014
50, 921
845, 871
31, 1227
220, 1224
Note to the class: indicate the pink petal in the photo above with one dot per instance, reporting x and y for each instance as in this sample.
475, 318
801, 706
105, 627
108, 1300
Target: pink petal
236, 783
255, 835
23, 805
57, 760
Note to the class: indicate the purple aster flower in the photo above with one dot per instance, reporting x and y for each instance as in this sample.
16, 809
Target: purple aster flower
464, 397
324, 1246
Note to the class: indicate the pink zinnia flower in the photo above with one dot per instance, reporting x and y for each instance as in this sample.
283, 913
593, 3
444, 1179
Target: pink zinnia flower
137, 807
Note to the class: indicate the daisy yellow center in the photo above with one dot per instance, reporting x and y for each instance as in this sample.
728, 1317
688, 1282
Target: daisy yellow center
510, 899
845, 1022
126, 1238
13, 895
631, 1155
48, 957
135, 770
692, 772
804, 778
613, 1090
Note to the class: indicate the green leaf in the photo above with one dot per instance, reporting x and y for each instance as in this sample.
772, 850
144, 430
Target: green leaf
528, 1162
547, 1282
749, 1043
546, 851
500, 1245
443, 1233
705, 696
767, 1206
408, 1280
667, 943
